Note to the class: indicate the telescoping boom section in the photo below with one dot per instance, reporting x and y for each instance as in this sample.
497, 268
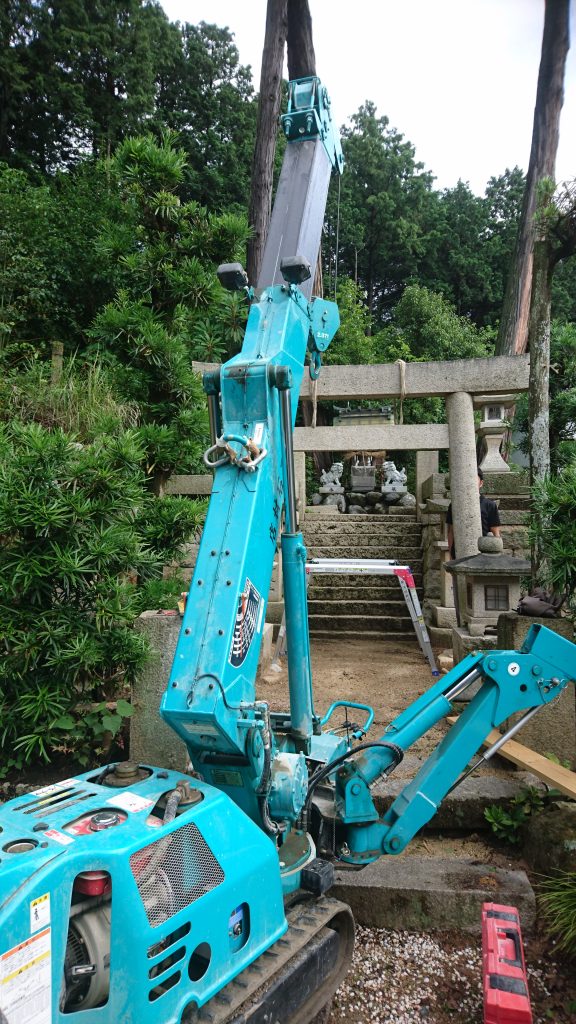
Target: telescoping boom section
210, 700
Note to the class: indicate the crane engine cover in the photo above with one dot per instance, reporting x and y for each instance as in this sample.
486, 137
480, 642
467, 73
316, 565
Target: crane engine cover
108, 906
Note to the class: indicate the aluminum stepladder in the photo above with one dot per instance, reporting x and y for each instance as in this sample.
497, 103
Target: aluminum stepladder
369, 567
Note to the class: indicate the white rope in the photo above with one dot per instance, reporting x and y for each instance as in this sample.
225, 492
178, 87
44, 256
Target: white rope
402, 364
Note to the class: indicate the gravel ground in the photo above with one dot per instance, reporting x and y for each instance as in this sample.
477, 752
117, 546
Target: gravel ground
408, 978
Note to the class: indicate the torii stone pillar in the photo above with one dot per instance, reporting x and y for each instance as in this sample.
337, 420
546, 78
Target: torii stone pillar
463, 476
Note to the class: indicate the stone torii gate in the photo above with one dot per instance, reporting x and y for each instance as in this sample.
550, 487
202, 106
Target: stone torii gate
457, 381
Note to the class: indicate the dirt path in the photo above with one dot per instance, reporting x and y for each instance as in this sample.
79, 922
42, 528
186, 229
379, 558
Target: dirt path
377, 672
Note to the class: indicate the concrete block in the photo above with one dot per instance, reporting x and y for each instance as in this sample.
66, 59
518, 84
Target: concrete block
151, 740
434, 486
464, 644
431, 894
463, 809
552, 730
267, 647
445, 617
506, 483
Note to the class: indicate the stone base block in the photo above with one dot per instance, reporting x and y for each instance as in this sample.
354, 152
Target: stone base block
463, 643
429, 894
151, 740
440, 636
552, 730
445, 617
274, 612
267, 648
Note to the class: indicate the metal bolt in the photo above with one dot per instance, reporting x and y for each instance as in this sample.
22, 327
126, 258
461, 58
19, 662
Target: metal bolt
187, 631
536, 670
213, 552
394, 843
228, 583
355, 789
199, 583
220, 632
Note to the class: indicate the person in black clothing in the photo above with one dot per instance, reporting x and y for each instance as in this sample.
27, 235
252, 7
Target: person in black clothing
488, 513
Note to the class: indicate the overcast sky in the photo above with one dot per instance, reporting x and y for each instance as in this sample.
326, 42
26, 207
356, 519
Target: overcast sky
456, 77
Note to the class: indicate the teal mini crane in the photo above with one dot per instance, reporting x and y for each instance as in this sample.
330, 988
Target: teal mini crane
137, 895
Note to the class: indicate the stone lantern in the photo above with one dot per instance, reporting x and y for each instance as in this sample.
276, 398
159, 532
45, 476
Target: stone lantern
492, 429
492, 584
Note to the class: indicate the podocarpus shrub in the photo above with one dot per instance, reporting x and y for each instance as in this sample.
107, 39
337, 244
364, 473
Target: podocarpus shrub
77, 526
553, 530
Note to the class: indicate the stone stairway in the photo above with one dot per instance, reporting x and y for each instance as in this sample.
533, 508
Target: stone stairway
362, 606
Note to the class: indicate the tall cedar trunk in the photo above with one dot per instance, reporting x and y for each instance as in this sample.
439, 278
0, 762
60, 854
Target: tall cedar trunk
513, 335
302, 64
539, 344
301, 56
266, 129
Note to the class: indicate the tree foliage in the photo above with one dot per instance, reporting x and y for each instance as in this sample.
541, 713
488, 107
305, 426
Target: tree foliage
169, 307
76, 524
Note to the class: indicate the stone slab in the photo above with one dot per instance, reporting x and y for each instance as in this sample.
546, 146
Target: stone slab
200, 485
433, 486
485, 376
463, 644
553, 730
390, 437
506, 483
463, 809
151, 740
432, 894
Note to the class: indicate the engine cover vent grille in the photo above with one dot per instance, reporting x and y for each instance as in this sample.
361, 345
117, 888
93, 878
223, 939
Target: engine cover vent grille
173, 872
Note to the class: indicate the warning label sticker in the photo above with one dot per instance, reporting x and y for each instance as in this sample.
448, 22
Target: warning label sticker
247, 619
40, 913
130, 802
26, 981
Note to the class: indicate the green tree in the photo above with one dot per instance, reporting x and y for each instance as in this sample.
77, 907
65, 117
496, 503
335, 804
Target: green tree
169, 308
78, 76
79, 527
562, 394
52, 280
426, 326
206, 95
382, 210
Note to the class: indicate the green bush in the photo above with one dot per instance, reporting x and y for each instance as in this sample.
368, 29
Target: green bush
557, 900
553, 531
77, 528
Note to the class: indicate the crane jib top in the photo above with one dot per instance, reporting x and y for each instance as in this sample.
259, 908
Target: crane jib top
312, 152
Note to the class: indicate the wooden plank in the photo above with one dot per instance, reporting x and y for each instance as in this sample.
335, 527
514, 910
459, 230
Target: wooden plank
491, 375
372, 438
552, 774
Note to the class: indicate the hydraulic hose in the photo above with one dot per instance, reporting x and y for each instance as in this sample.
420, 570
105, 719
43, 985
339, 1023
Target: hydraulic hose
325, 770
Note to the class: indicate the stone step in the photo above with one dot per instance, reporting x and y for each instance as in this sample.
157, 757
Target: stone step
358, 539
402, 636
355, 591
334, 609
423, 893
319, 512
358, 624
514, 502
403, 555
373, 530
